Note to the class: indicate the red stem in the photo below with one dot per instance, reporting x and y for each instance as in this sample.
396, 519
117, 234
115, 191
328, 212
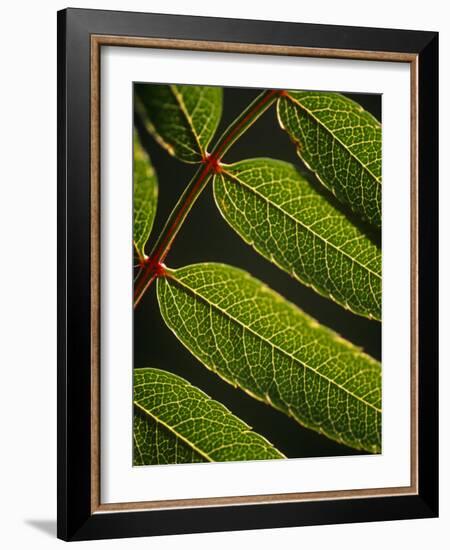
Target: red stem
154, 266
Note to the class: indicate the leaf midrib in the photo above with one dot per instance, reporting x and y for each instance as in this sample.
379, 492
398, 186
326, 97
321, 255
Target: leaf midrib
271, 344
179, 99
173, 431
320, 237
320, 123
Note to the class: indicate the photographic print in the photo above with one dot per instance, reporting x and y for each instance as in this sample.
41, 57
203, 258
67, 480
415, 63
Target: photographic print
257, 274
247, 337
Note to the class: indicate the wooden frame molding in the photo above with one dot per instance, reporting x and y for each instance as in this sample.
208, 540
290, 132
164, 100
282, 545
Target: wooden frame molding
82, 33
96, 43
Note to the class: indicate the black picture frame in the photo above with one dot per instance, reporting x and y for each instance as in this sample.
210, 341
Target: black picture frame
77, 520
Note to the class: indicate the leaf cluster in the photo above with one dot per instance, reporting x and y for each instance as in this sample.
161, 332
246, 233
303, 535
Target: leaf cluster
250, 336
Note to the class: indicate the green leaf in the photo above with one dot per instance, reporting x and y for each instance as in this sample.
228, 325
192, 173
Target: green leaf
145, 197
183, 119
341, 143
255, 339
288, 221
176, 422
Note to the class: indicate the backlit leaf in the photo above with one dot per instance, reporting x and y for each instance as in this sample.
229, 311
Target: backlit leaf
183, 119
341, 143
255, 339
145, 197
287, 220
175, 422
154, 444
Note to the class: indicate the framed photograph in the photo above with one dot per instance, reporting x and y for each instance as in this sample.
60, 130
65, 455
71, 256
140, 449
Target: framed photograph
247, 274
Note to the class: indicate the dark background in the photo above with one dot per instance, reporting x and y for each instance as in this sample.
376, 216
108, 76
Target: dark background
206, 237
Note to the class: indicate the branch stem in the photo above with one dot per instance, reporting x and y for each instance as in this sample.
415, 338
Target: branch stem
211, 164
